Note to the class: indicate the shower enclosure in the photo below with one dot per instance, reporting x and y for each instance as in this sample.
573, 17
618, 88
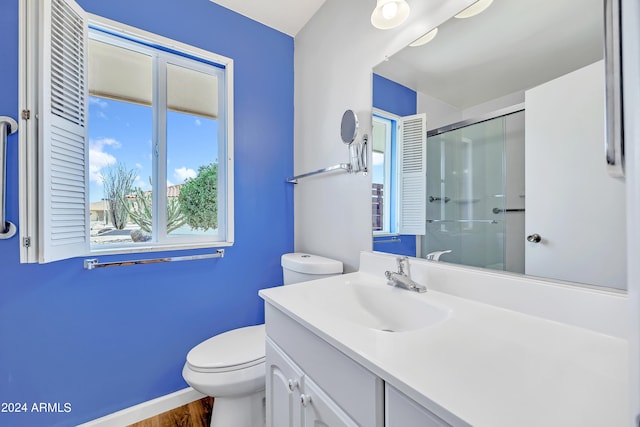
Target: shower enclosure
475, 192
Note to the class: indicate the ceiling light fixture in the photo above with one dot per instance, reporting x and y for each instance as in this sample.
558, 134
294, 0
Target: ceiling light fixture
389, 13
425, 38
474, 9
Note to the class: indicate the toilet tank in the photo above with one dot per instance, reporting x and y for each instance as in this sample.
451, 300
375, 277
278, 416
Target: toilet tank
300, 267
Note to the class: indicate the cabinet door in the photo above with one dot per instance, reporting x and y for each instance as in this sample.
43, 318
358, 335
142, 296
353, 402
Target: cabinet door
283, 382
401, 411
319, 410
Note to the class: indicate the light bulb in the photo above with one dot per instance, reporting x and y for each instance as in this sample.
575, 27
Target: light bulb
389, 13
389, 10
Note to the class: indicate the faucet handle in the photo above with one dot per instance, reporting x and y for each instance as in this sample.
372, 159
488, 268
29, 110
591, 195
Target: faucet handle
403, 265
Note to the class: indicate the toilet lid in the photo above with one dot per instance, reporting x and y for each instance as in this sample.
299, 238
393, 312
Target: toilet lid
234, 349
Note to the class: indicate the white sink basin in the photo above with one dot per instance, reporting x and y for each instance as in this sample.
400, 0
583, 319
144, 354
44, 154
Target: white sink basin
379, 306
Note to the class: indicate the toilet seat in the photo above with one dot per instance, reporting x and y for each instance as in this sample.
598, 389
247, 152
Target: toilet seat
230, 351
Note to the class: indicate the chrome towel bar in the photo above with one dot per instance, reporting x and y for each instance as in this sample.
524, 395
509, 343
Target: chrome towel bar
90, 264
498, 210
358, 162
7, 127
341, 166
393, 239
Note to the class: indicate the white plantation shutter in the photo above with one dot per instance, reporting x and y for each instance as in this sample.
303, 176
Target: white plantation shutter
64, 217
412, 181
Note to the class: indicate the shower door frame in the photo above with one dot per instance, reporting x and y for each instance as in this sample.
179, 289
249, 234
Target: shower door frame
503, 112
483, 118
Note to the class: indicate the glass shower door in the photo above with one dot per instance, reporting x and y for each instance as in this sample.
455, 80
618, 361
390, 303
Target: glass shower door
466, 195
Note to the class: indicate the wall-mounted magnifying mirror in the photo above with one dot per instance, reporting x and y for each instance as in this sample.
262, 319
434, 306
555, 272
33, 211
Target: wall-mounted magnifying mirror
349, 127
514, 100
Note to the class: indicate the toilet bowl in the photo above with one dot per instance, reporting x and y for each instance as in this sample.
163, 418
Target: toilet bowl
230, 366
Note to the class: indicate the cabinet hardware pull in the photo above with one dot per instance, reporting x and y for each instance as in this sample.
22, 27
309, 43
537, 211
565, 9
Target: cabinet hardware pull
305, 399
293, 384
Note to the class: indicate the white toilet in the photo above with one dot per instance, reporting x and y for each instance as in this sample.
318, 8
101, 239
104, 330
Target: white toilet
230, 366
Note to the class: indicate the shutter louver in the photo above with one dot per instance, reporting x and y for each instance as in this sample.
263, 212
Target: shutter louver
412, 174
63, 132
67, 63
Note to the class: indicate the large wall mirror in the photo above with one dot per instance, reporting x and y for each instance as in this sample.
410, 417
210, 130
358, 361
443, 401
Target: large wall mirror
488, 146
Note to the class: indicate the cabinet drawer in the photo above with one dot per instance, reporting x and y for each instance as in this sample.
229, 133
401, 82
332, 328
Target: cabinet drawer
358, 392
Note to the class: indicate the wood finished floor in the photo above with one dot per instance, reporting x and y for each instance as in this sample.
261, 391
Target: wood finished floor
194, 414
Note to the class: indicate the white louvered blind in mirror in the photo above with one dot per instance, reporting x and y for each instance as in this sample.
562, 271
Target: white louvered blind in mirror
412, 179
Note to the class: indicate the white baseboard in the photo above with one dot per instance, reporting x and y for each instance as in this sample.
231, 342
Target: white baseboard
147, 409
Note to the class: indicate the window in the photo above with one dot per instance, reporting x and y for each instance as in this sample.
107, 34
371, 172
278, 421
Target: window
383, 194
398, 174
135, 140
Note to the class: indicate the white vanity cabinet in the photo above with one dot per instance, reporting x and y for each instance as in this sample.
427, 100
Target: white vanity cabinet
402, 411
481, 366
311, 383
282, 388
294, 400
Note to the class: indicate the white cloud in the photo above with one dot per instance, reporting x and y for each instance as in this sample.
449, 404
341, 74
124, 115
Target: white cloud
138, 166
142, 183
98, 101
102, 104
198, 122
98, 158
99, 144
181, 174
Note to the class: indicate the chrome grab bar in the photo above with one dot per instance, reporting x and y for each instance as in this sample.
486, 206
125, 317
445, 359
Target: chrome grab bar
90, 264
8, 126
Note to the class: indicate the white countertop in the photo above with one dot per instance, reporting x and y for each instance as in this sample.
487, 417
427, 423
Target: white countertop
486, 365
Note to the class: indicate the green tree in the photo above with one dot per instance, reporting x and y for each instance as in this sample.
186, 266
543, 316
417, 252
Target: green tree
118, 182
199, 198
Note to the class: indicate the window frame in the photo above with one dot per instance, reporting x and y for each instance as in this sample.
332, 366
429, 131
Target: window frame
390, 158
30, 86
408, 198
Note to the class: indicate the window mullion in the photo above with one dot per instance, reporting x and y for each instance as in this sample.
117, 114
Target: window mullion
160, 149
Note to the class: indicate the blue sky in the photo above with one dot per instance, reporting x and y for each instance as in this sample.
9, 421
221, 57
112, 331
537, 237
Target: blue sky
122, 132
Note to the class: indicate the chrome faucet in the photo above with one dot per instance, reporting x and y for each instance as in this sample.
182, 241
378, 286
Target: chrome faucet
402, 278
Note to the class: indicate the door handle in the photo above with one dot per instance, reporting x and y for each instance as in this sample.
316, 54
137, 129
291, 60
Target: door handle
534, 238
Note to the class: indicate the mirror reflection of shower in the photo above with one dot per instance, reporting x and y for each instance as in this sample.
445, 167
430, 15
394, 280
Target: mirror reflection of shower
475, 193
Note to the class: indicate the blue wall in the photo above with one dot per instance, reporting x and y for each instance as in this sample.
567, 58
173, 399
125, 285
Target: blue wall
394, 98
108, 339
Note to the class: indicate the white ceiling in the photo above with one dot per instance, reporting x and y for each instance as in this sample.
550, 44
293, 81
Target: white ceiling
512, 46
287, 16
